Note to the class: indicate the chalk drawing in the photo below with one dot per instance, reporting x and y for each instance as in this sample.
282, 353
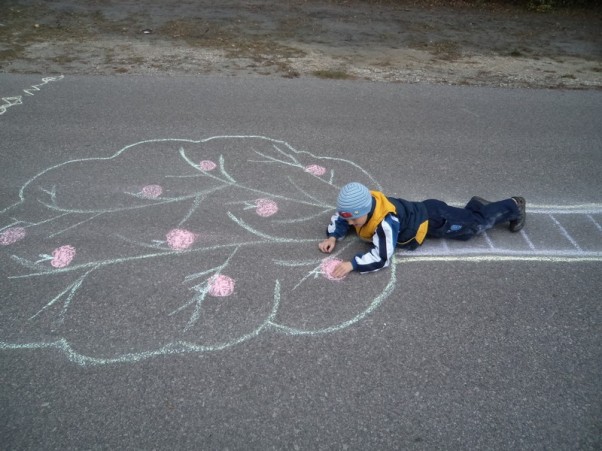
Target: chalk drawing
152, 191
207, 165
315, 169
220, 286
180, 239
186, 232
12, 235
328, 265
563, 248
62, 256
186, 254
266, 207
8, 102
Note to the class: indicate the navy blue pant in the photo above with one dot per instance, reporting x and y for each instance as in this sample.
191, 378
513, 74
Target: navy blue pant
464, 223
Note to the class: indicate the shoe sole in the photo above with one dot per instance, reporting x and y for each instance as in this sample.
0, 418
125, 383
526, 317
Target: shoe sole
517, 224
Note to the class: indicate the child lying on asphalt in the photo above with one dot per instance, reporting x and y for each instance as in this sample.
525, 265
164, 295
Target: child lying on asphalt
392, 222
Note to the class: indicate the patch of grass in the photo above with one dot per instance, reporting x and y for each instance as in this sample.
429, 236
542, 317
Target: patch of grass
442, 50
232, 38
445, 50
11, 54
332, 74
136, 60
64, 59
541, 6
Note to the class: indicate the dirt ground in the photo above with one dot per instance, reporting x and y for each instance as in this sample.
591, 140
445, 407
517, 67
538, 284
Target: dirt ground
437, 41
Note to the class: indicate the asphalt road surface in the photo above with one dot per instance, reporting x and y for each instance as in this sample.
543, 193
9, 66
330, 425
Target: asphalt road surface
161, 285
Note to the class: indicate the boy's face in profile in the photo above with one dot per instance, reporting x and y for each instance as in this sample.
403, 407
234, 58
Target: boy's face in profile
358, 222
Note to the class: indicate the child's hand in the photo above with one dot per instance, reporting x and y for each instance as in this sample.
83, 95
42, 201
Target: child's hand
342, 270
328, 245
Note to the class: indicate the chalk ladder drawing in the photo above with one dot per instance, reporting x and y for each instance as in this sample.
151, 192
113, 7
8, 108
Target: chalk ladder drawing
170, 246
573, 234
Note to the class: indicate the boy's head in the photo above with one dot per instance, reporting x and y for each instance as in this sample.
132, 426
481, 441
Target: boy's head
354, 201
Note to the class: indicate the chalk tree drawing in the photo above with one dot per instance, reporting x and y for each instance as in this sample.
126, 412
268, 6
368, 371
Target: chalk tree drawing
174, 246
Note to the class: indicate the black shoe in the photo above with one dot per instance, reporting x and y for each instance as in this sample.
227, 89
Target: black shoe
518, 223
479, 200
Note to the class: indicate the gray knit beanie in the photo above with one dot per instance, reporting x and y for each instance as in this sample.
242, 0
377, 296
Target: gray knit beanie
354, 201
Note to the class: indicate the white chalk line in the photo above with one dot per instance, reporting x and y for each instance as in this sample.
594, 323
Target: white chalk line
593, 257
316, 271
202, 291
596, 223
18, 100
527, 240
389, 288
488, 240
74, 225
230, 181
588, 208
168, 252
183, 347
565, 233
177, 347
534, 208
497, 254
191, 141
